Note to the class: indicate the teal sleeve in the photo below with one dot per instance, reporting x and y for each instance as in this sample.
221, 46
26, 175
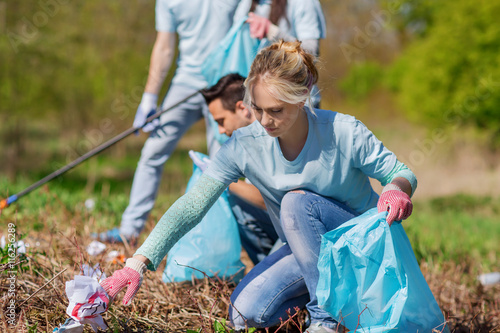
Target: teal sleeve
401, 170
181, 217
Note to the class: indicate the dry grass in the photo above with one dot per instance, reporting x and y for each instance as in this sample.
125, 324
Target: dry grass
160, 307
468, 306
157, 307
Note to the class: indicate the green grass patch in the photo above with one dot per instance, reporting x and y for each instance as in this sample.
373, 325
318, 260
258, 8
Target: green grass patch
105, 178
461, 228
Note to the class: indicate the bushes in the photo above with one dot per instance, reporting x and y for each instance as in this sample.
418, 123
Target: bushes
74, 60
450, 76
361, 80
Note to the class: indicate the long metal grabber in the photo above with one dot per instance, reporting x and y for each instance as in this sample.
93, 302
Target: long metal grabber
13, 198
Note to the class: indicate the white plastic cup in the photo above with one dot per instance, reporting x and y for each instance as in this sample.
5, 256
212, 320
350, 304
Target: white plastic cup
489, 279
90, 204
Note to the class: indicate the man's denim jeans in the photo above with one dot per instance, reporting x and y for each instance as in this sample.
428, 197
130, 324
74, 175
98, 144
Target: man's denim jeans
256, 230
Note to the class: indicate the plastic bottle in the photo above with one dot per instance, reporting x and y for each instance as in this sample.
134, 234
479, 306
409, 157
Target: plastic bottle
489, 279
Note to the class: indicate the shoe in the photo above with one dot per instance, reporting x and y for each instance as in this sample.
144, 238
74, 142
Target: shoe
110, 236
319, 328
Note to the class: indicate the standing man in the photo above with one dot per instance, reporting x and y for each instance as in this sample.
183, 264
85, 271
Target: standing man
289, 20
198, 25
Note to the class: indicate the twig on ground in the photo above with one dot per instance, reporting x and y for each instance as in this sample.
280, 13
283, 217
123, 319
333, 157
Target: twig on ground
290, 318
36, 292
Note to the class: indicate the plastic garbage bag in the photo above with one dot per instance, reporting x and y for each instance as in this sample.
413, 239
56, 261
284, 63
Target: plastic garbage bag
234, 54
213, 246
368, 272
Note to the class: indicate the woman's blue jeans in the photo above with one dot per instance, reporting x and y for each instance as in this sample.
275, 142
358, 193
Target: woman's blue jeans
288, 277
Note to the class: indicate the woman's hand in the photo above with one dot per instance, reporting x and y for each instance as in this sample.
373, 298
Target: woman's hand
397, 202
130, 276
259, 26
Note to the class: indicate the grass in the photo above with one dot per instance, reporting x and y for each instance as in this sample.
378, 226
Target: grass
58, 232
453, 237
454, 228
105, 178
459, 228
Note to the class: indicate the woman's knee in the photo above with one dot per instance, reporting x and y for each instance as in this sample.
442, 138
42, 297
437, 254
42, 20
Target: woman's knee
245, 312
293, 199
258, 299
294, 207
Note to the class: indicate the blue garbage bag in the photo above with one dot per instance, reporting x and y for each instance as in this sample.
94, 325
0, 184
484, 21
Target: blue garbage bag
213, 246
370, 280
234, 54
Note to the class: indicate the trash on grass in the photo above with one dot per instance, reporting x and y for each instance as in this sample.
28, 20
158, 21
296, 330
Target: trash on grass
87, 302
93, 272
115, 257
489, 279
19, 245
95, 248
90, 204
69, 326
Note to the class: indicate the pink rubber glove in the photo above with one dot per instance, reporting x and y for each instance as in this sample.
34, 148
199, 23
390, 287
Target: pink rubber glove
259, 26
130, 276
397, 202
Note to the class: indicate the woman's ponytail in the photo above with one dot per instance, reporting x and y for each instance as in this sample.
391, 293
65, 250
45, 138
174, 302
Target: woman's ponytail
286, 69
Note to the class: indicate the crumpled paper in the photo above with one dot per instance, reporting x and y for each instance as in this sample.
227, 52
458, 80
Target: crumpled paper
96, 248
93, 272
87, 302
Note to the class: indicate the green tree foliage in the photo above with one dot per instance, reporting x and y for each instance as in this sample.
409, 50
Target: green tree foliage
414, 17
74, 62
363, 78
449, 76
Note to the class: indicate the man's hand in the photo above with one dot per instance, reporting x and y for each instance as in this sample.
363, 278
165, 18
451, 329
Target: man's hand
146, 108
259, 26
397, 202
130, 276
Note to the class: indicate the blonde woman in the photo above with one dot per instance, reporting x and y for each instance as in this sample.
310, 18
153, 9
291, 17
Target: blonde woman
312, 168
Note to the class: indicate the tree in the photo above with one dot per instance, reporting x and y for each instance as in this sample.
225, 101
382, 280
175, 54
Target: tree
449, 76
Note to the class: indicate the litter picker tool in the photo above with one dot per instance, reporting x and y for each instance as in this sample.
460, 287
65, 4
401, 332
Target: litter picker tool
13, 198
